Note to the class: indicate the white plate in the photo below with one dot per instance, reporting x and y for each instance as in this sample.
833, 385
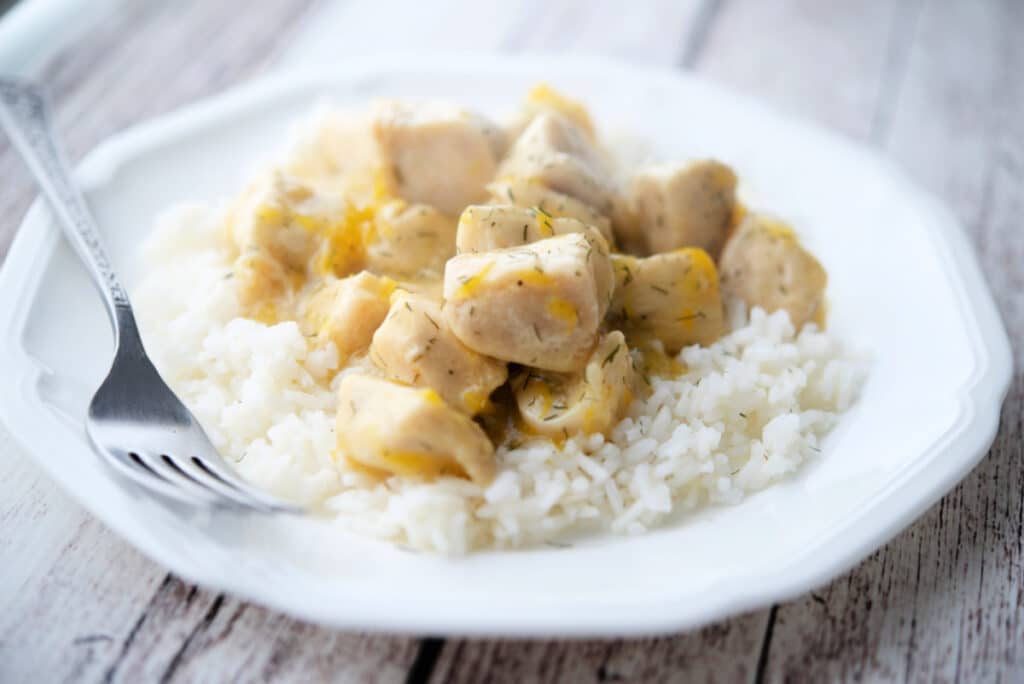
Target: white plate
903, 284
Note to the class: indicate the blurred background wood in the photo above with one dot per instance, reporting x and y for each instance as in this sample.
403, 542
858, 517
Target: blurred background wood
935, 85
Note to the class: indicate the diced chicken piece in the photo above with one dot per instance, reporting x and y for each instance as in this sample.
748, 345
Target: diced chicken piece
438, 154
671, 297
348, 311
258, 277
484, 227
523, 193
410, 241
337, 154
555, 153
543, 98
414, 346
284, 218
562, 405
409, 431
764, 265
539, 305
283, 231
680, 206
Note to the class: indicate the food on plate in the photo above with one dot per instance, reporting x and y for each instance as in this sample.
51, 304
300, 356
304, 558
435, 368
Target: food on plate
539, 304
671, 298
415, 346
765, 265
454, 334
681, 205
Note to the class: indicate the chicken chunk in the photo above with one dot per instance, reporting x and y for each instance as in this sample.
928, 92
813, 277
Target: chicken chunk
338, 156
681, 206
283, 232
531, 194
409, 431
483, 228
348, 311
438, 154
560, 405
539, 304
259, 278
672, 297
543, 98
284, 218
764, 265
556, 154
410, 241
414, 346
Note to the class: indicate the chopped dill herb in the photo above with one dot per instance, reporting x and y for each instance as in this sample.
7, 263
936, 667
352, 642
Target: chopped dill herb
657, 288
608, 359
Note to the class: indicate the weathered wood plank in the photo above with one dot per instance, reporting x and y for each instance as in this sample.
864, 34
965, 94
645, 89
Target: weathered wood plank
80, 604
824, 60
943, 601
660, 34
194, 636
726, 652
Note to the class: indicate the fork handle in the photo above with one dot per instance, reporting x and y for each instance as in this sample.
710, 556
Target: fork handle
24, 113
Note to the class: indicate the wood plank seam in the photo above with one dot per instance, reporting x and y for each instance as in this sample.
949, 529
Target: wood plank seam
108, 676
697, 35
766, 644
897, 53
200, 627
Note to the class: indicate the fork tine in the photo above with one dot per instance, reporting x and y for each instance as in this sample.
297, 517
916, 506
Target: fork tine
193, 468
212, 471
166, 469
144, 476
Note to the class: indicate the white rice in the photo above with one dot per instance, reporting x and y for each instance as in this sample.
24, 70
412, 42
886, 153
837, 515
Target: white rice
749, 410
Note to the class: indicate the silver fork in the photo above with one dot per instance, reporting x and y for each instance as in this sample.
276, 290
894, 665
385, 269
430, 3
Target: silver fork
135, 422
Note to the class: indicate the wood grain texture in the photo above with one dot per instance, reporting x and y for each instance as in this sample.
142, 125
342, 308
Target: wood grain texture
943, 601
935, 83
79, 604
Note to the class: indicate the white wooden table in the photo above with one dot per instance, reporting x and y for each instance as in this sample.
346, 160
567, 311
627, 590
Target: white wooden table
938, 85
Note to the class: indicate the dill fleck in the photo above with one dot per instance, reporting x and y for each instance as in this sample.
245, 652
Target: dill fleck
608, 359
407, 306
524, 232
657, 288
510, 195
742, 414
551, 417
536, 331
432, 321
